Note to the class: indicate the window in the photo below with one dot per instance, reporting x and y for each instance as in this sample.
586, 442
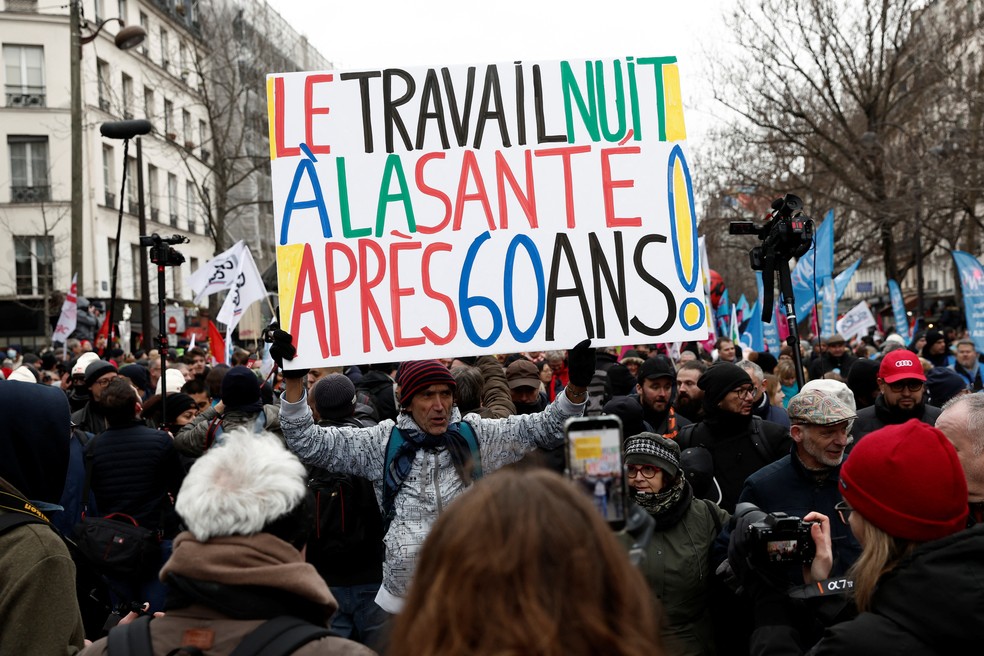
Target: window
165, 54
24, 75
191, 203
33, 264
102, 79
149, 104
203, 140
28, 169
186, 126
145, 24
133, 206
183, 61
127, 97
172, 198
152, 190
109, 183
169, 120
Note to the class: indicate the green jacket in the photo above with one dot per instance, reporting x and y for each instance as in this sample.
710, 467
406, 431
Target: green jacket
678, 571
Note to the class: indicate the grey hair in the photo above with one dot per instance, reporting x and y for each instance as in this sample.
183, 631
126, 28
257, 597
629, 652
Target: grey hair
471, 385
240, 486
752, 368
974, 425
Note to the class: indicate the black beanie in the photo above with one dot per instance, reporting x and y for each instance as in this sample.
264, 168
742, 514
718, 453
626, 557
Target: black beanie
862, 378
629, 410
334, 396
621, 380
241, 389
767, 362
719, 379
176, 404
96, 369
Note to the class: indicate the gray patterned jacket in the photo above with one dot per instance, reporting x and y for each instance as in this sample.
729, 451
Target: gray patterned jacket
432, 483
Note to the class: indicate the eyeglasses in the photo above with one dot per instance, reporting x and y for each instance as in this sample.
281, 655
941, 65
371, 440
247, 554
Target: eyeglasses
746, 392
647, 471
911, 385
844, 511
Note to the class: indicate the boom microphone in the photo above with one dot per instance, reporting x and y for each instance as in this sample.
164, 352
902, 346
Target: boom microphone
125, 129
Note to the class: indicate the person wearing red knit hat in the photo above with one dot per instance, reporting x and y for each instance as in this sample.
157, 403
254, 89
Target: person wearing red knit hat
919, 583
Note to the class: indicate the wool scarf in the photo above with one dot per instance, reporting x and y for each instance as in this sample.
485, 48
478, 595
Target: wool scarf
669, 505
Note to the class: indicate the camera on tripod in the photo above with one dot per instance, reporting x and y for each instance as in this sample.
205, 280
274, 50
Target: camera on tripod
162, 252
789, 232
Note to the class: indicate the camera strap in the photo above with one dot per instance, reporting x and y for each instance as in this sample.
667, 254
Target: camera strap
825, 588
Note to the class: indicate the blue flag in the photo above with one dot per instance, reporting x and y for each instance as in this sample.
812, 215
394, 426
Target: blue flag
972, 284
820, 256
843, 278
770, 334
743, 310
753, 331
723, 315
898, 309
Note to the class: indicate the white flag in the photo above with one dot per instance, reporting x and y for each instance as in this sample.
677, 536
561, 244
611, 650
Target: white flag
247, 288
217, 274
69, 314
856, 322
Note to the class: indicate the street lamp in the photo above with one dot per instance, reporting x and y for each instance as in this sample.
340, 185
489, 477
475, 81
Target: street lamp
126, 38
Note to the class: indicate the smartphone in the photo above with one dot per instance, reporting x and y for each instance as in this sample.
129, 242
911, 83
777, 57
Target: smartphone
594, 464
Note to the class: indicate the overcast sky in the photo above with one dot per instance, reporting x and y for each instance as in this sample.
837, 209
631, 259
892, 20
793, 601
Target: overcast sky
376, 33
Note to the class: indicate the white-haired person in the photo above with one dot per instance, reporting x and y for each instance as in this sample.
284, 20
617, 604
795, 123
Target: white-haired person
239, 565
919, 582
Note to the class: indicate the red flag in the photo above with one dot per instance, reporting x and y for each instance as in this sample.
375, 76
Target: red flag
216, 344
104, 330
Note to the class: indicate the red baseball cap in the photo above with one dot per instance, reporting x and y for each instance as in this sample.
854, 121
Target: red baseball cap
900, 365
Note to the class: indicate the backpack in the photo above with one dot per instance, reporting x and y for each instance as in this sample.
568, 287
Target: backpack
396, 440
687, 439
276, 637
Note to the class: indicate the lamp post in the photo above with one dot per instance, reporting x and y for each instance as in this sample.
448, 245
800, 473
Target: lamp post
126, 38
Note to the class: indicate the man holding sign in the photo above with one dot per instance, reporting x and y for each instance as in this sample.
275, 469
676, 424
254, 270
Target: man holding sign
429, 455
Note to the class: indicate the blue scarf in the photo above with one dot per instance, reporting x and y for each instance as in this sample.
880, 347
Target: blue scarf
414, 440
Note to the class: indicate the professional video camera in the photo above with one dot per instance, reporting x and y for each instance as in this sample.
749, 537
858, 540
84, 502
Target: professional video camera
788, 233
773, 539
161, 251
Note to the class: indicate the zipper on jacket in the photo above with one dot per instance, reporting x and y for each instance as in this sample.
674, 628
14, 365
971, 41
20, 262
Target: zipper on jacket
437, 488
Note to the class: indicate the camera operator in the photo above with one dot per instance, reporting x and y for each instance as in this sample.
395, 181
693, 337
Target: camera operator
919, 583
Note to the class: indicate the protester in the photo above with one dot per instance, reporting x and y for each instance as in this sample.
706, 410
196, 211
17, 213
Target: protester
762, 405
39, 611
239, 563
91, 418
690, 398
902, 384
942, 384
524, 564
655, 389
968, 364
962, 421
677, 563
523, 379
836, 358
862, 380
936, 350
433, 449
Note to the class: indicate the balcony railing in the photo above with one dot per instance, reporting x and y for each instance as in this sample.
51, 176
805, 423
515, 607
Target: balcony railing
191, 226
174, 220
22, 96
33, 194
133, 207
110, 199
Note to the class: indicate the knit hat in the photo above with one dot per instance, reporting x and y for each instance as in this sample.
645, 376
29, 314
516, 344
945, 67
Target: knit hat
895, 338
907, 480
522, 373
97, 369
26, 374
933, 336
418, 375
629, 410
78, 369
653, 449
719, 379
334, 396
767, 362
900, 364
658, 366
176, 405
240, 388
818, 408
174, 380
621, 380
138, 374
943, 384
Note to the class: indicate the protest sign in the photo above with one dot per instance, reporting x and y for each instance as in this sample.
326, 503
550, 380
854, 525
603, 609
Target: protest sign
856, 322
462, 210
972, 285
68, 318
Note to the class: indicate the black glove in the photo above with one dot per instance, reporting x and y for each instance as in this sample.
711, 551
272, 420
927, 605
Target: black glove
581, 364
282, 347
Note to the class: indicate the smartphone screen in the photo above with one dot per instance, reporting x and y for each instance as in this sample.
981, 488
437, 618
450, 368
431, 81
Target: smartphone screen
594, 464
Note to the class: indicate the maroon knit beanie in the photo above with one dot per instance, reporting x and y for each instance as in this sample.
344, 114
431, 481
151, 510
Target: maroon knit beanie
906, 479
413, 377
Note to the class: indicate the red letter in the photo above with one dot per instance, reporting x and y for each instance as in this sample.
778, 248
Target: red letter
396, 292
470, 165
435, 193
310, 111
278, 125
335, 287
527, 202
365, 288
436, 339
309, 276
565, 152
607, 184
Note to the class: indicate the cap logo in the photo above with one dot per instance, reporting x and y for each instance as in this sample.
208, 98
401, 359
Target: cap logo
903, 363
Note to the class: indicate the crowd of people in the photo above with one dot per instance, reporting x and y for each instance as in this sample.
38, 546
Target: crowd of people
420, 507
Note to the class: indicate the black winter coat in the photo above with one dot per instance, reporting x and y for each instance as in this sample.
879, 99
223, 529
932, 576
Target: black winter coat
134, 468
880, 415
